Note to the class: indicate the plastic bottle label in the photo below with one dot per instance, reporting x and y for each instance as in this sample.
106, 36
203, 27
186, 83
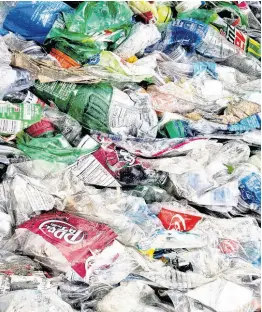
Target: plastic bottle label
73, 236
16, 117
178, 221
32, 99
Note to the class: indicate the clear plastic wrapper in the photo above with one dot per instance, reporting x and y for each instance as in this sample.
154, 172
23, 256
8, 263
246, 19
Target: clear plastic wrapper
82, 297
33, 300
129, 216
218, 296
141, 297
140, 37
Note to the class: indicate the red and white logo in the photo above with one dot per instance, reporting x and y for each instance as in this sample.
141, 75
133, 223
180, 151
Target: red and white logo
178, 221
61, 230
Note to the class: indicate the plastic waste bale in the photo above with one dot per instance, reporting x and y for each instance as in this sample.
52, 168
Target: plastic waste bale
129, 156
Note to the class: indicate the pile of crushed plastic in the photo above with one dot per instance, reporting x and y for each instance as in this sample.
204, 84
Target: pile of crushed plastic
130, 156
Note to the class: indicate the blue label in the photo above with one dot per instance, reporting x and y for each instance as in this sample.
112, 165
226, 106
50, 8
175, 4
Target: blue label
187, 32
93, 60
246, 124
209, 67
250, 189
33, 20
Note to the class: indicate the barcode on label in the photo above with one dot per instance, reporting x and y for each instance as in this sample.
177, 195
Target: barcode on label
4, 108
10, 126
27, 112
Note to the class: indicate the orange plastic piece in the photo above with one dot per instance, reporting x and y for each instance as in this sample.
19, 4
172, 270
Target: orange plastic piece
64, 60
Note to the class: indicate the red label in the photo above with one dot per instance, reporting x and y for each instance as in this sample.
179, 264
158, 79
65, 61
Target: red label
113, 159
39, 101
240, 40
178, 221
236, 22
235, 36
229, 246
241, 4
76, 238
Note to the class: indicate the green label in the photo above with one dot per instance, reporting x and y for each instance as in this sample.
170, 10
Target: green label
16, 117
88, 104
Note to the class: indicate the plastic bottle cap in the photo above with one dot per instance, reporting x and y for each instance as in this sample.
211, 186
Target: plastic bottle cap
164, 14
64, 60
40, 128
132, 59
187, 6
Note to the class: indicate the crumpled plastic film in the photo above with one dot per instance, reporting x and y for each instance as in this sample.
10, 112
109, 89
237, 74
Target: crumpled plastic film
130, 156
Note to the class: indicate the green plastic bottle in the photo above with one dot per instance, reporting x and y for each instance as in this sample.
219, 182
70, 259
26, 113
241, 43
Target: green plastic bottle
88, 104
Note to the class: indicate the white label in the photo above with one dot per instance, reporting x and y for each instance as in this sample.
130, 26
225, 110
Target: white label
88, 142
27, 113
30, 98
62, 230
10, 126
90, 171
